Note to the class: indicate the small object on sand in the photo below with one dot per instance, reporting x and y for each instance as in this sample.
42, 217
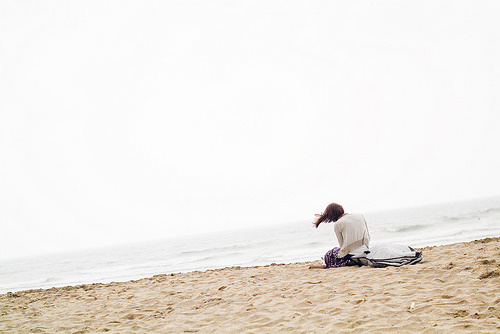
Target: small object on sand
412, 306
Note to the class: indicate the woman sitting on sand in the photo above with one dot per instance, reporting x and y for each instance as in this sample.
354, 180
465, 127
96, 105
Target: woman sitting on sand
352, 234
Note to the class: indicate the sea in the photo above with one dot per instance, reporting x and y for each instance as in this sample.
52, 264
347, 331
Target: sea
282, 243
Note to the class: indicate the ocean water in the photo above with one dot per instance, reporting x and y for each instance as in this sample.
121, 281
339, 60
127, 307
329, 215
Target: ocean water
286, 243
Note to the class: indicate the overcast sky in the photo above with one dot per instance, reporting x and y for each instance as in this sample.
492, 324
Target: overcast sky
133, 120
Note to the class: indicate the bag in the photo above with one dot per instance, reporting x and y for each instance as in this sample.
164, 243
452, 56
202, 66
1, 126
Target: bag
384, 255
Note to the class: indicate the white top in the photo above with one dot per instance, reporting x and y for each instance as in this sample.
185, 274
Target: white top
352, 233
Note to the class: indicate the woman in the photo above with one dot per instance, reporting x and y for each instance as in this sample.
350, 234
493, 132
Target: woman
352, 234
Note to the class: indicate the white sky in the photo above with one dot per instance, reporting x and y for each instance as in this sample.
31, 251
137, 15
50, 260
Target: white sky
133, 120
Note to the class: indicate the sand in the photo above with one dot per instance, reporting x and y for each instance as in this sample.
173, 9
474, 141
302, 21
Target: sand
456, 288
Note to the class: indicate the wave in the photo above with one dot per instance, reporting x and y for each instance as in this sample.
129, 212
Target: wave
474, 214
313, 243
52, 279
406, 228
493, 210
222, 249
451, 218
216, 256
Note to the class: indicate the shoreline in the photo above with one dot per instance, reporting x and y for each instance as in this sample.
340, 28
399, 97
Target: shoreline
67, 284
456, 287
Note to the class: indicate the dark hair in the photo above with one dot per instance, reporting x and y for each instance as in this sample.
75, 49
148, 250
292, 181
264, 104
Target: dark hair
332, 213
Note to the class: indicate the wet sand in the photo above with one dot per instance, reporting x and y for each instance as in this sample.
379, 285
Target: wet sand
456, 288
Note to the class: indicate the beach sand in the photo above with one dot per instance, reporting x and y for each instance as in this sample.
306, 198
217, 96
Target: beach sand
456, 288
